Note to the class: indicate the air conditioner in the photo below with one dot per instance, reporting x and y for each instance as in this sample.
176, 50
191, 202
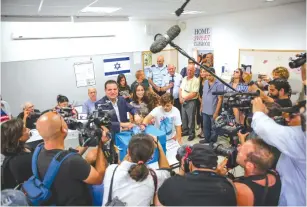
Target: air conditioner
16, 36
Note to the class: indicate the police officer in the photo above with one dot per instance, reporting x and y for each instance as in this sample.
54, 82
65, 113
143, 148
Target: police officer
156, 75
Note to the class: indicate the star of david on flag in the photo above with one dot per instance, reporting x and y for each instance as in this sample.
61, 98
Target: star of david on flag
115, 66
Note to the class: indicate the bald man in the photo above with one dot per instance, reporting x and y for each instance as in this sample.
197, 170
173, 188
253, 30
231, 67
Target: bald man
29, 115
89, 105
70, 185
156, 75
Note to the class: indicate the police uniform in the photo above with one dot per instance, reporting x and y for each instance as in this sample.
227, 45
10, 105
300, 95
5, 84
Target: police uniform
157, 74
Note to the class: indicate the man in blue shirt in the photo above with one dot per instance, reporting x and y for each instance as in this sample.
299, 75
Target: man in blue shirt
291, 141
211, 106
89, 105
156, 75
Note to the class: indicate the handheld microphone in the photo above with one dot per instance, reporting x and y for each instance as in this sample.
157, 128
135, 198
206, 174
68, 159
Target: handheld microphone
161, 41
179, 11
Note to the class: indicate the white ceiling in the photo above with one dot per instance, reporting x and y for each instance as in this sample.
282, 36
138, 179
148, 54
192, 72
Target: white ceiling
135, 9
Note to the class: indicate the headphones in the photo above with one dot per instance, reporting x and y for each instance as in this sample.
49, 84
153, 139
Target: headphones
184, 152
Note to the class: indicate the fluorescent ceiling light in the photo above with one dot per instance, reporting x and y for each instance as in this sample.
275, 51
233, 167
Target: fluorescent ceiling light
191, 12
100, 9
269, 0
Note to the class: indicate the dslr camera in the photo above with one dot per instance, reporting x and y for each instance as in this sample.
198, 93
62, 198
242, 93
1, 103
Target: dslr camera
298, 62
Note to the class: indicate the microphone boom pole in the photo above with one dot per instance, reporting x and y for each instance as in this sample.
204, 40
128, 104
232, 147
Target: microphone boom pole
179, 49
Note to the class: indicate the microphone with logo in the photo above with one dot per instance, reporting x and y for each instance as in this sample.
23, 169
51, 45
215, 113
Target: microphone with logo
161, 41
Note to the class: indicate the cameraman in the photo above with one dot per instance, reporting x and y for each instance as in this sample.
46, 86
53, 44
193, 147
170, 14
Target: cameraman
70, 187
200, 185
28, 115
279, 92
112, 101
258, 186
291, 141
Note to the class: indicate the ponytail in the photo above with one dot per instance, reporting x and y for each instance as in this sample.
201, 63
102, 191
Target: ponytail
138, 172
141, 148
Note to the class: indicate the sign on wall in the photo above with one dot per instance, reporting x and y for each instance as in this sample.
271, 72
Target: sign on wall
85, 75
202, 37
116, 65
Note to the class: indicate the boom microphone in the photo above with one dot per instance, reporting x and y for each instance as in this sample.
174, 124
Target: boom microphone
179, 11
162, 41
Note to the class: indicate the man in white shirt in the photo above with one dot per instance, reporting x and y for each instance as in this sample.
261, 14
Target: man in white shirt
167, 119
171, 84
290, 140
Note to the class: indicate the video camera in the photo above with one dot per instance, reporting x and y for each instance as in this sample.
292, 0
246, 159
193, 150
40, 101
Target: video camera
229, 152
298, 62
240, 100
68, 116
90, 133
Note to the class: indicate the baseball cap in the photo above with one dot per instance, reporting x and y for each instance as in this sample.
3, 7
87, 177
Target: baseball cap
203, 156
10, 197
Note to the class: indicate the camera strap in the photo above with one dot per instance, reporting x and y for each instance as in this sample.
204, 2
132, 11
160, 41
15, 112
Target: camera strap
111, 186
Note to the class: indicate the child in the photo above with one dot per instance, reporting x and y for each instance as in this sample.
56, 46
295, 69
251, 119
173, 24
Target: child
167, 119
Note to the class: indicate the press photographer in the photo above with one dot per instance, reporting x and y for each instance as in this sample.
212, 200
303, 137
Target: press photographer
199, 184
119, 119
259, 186
291, 141
29, 115
70, 185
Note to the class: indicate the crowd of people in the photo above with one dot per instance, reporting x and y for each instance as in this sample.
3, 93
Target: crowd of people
273, 159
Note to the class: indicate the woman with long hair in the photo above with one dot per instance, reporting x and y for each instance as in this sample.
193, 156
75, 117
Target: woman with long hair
15, 157
199, 117
123, 87
238, 83
140, 100
133, 181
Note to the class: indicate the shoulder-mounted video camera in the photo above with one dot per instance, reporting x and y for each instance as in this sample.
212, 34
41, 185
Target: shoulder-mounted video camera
90, 133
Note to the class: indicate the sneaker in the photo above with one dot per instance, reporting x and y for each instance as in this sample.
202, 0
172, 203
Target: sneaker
191, 137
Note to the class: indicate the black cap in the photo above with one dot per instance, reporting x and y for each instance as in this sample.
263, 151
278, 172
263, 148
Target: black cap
294, 109
203, 156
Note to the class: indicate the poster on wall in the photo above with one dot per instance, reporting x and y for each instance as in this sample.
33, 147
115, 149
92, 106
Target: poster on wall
206, 57
85, 75
116, 65
202, 37
147, 61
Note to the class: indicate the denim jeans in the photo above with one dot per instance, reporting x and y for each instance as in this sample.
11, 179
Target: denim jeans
209, 128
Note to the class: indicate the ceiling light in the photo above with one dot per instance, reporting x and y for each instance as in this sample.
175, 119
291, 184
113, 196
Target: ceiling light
269, 0
100, 9
191, 12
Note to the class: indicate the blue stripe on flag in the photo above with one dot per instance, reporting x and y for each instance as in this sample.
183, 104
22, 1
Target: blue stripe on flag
116, 59
117, 72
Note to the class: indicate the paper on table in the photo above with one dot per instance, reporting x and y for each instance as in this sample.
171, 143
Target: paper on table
137, 57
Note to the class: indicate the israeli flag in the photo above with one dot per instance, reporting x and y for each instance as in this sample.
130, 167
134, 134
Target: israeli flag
115, 66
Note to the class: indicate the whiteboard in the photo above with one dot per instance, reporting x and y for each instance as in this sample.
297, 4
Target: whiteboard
265, 61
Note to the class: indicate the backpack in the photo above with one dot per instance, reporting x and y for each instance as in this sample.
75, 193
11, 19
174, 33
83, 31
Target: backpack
38, 192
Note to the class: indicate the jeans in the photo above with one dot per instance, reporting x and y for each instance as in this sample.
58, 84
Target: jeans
209, 128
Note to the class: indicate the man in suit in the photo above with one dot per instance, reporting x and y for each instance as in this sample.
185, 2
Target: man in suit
119, 119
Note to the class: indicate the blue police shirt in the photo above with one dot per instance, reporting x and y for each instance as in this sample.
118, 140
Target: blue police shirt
156, 74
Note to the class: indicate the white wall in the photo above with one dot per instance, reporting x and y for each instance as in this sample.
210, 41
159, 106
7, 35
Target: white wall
130, 36
282, 27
